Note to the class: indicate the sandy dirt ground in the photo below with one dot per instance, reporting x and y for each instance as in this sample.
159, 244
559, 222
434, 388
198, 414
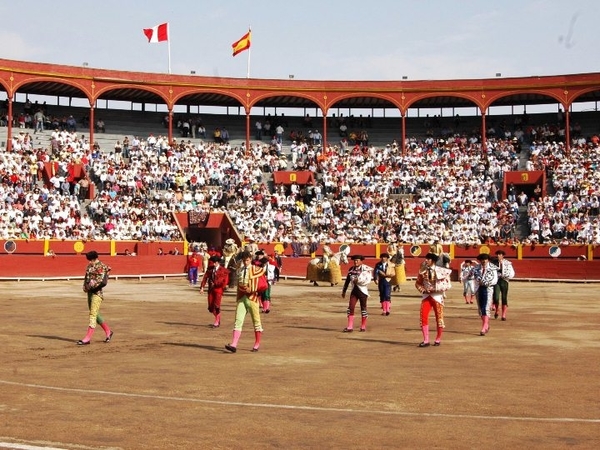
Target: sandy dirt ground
167, 382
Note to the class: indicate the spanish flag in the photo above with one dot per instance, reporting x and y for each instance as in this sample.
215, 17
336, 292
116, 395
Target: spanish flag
242, 44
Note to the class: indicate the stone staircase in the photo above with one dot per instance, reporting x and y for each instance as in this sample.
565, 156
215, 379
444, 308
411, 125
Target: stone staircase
522, 225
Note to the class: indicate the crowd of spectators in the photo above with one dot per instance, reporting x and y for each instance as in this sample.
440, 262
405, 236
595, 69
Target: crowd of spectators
440, 189
571, 214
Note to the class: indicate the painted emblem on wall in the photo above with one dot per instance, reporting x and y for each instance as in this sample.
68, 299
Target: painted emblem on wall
10, 246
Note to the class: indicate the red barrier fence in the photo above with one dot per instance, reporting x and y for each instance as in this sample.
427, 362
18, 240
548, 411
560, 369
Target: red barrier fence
64, 259
42, 247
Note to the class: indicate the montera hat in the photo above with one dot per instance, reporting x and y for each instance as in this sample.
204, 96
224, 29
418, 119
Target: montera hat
215, 258
91, 255
384, 255
432, 256
357, 258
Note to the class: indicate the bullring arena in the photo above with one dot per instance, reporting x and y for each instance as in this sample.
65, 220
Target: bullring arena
166, 381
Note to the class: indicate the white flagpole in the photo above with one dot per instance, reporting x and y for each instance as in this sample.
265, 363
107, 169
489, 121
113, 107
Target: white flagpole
249, 50
169, 45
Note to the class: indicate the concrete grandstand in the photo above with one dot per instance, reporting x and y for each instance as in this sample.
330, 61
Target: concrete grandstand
413, 180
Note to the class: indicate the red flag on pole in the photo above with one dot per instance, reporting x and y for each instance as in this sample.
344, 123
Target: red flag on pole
159, 33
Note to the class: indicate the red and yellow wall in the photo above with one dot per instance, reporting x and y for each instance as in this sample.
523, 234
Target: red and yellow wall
64, 259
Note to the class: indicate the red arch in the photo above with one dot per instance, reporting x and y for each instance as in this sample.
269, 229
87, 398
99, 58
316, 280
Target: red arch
93, 83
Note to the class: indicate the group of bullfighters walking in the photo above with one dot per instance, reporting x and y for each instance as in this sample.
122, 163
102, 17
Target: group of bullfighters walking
484, 281
254, 276
487, 282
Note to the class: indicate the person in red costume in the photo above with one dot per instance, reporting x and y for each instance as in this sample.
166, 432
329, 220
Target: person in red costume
217, 279
432, 282
194, 263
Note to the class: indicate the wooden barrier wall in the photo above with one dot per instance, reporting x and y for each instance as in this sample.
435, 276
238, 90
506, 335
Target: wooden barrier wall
73, 266
29, 260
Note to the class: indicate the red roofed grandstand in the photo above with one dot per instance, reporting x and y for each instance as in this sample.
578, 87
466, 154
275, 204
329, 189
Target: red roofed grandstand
116, 161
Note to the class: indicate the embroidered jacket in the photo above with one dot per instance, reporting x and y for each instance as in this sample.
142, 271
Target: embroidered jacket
433, 281
247, 281
216, 279
385, 274
506, 270
96, 275
486, 277
359, 277
467, 273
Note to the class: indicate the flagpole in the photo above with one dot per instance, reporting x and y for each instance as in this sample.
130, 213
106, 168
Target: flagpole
248, 74
169, 46
249, 50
